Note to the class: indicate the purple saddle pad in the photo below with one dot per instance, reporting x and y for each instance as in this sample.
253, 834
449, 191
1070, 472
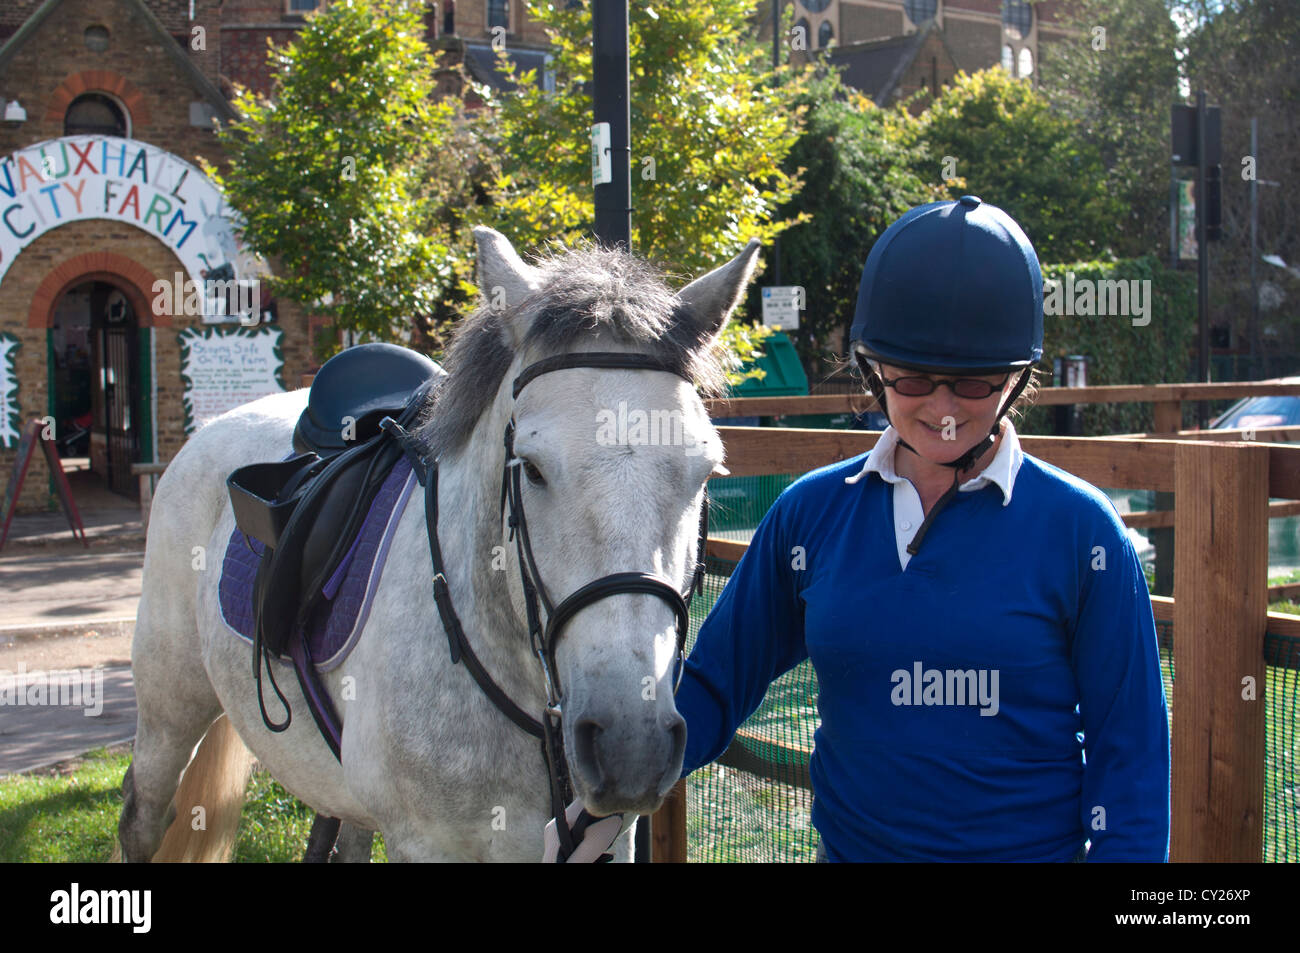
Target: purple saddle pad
348, 593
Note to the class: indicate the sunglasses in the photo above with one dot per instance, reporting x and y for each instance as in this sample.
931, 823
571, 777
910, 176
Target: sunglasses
968, 387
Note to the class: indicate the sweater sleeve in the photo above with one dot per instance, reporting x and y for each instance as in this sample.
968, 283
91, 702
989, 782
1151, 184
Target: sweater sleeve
753, 635
1125, 804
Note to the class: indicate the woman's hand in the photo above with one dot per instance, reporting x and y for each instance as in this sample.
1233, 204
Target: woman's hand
593, 837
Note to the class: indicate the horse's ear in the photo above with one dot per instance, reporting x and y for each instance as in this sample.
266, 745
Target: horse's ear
504, 279
714, 296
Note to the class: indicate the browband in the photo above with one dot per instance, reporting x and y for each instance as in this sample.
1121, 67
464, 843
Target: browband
599, 359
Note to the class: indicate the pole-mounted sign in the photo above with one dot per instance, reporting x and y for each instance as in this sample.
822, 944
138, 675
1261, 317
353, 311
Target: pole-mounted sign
602, 169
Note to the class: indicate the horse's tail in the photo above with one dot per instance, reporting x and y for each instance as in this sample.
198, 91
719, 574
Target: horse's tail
214, 781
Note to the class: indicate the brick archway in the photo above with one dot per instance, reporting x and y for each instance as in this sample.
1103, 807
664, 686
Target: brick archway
134, 280
94, 81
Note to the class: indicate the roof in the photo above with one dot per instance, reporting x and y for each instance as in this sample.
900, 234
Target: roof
200, 83
481, 63
876, 67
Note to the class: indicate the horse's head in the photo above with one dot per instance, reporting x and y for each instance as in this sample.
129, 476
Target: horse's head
612, 464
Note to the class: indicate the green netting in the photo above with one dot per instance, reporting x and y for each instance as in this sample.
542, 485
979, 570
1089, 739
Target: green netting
754, 805
1281, 749
737, 504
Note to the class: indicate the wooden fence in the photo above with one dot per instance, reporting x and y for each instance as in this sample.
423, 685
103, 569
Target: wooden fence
1221, 493
1166, 398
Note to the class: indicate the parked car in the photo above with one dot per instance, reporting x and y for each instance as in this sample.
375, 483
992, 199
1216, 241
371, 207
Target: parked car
1261, 412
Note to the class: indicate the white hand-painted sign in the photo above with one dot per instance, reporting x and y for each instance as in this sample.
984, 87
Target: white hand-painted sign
51, 183
222, 368
10, 423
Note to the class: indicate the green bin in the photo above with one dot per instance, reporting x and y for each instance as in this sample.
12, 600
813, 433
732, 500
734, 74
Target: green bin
739, 503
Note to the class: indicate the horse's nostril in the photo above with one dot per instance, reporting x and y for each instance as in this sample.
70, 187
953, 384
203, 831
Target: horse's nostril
677, 728
586, 737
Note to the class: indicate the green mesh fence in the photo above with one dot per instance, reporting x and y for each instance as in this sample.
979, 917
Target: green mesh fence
737, 504
754, 803
1281, 749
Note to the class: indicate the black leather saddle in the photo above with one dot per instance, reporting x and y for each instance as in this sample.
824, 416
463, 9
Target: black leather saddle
308, 509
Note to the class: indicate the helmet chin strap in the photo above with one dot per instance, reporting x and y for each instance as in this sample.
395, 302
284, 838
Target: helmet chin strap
963, 462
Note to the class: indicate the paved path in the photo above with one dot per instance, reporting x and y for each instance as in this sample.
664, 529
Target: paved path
57, 586
67, 613
53, 715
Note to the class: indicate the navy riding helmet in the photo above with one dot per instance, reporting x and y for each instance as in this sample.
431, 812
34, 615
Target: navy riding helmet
951, 288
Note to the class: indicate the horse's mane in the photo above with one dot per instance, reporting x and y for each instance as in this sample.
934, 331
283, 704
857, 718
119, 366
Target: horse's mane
588, 294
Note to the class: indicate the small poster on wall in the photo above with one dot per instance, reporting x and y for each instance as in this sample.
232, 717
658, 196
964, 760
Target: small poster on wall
224, 367
10, 424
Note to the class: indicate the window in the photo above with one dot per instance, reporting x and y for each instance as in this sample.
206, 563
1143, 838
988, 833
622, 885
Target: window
1008, 59
825, 33
918, 11
498, 14
815, 6
94, 114
96, 38
1026, 62
1017, 18
300, 6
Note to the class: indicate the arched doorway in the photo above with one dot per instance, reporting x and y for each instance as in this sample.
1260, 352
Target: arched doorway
96, 397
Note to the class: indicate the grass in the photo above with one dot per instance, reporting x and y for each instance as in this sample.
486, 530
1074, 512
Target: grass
69, 813
1285, 605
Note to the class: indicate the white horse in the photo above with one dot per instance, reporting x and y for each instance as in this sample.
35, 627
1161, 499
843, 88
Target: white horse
426, 759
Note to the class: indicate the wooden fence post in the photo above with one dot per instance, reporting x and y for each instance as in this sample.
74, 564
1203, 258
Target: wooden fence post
1220, 614
668, 830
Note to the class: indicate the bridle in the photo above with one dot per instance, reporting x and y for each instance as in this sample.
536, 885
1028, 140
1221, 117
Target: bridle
544, 638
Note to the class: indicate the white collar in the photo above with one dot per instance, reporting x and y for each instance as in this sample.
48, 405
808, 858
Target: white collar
1001, 470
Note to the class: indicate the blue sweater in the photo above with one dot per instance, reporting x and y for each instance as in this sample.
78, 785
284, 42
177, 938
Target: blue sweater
959, 696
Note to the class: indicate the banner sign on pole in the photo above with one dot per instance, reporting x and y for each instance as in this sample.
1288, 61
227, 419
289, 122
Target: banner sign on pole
1186, 220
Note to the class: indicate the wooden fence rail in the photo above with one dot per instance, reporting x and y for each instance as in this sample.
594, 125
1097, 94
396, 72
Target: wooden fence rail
1167, 398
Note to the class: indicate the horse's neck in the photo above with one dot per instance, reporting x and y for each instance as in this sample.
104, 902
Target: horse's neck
469, 532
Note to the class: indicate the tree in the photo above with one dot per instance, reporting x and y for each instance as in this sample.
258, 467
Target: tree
1012, 150
340, 176
1118, 76
1246, 55
710, 127
859, 172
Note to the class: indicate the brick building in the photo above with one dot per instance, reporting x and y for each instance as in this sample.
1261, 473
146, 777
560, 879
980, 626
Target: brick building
891, 48
129, 312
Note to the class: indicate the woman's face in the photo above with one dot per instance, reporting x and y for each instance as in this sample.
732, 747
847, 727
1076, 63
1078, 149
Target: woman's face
942, 426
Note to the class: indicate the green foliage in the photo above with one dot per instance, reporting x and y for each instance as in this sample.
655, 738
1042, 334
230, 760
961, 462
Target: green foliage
1118, 351
332, 175
1013, 151
710, 127
1119, 84
743, 342
858, 164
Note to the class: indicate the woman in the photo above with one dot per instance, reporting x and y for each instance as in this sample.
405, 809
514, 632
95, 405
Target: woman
978, 620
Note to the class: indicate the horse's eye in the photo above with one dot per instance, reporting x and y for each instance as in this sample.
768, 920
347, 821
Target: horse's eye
534, 475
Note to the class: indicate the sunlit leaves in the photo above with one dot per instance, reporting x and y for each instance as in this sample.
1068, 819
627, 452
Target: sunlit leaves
332, 172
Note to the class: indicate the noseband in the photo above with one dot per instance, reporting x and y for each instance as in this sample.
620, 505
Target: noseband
544, 638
